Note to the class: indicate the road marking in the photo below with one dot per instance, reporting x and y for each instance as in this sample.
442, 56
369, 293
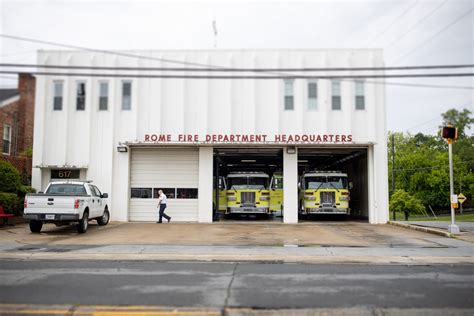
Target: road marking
99, 310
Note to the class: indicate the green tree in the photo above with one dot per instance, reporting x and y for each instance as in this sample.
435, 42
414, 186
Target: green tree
402, 201
421, 169
460, 119
9, 178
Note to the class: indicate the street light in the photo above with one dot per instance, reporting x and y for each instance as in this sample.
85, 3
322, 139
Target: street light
122, 148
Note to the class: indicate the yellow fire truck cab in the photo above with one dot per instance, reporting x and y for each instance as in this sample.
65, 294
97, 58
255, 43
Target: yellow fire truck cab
247, 193
276, 192
324, 192
222, 197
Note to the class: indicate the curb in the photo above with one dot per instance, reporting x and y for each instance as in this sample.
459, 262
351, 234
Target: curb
247, 258
422, 229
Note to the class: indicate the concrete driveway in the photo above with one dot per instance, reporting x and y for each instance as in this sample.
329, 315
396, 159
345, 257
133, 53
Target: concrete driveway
309, 242
338, 234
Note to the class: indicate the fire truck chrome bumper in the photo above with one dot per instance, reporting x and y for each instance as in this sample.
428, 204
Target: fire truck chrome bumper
326, 211
248, 210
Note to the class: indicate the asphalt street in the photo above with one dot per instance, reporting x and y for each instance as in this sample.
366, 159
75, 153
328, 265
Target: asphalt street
223, 285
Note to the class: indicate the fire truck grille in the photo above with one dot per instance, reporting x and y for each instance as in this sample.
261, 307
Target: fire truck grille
327, 198
247, 198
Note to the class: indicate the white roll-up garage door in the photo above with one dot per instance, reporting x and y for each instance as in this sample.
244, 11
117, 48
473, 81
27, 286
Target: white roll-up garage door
176, 171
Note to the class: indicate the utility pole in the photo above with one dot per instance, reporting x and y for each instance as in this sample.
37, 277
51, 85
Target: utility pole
450, 133
393, 172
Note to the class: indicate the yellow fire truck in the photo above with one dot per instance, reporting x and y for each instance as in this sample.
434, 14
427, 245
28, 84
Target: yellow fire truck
247, 193
324, 192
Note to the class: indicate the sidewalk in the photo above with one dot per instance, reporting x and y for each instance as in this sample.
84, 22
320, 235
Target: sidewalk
467, 228
318, 242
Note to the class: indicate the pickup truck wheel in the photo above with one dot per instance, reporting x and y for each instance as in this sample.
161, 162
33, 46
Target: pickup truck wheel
83, 223
104, 220
35, 226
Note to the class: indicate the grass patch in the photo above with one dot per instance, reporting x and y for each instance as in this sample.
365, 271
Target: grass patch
469, 217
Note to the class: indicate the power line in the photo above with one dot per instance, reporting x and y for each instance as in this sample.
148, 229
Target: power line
393, 23
458, 19
232, 69
436, 118
204, 65
417, 23
421, 85
127, 75
103, 51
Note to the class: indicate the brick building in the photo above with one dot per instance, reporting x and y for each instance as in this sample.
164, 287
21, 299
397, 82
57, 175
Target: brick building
17, 108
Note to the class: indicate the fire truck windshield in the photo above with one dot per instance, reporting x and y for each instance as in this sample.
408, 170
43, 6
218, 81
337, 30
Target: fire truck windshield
253, 183
323, 182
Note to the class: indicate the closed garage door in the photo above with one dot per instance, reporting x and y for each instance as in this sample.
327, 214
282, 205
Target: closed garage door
175, 171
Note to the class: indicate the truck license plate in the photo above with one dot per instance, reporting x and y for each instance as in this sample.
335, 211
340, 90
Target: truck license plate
50, 216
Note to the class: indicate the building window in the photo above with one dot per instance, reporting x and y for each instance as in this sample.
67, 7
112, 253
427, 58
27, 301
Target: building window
336, 95
81, 96
289, 97
169, 192
360, 95
58, 96
187, 193
103, 96
141, 193
7, 139
126, 95
312, 95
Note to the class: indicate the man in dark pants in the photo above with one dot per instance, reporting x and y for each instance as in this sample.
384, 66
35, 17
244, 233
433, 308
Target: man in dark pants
162, 206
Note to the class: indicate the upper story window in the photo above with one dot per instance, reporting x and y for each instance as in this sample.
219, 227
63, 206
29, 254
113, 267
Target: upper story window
103, 96
359, 95
126, 95
7, 139
336, 95
58, 96
289, 95
80, 96
312, 95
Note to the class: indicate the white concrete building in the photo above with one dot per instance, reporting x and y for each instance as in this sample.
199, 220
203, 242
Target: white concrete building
176, 132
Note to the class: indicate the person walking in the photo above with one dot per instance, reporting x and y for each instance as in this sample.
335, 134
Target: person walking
162, 206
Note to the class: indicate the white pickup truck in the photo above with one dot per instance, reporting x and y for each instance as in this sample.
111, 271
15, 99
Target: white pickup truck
64, 202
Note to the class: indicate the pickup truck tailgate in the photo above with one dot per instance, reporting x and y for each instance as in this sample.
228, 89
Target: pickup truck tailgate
49, 204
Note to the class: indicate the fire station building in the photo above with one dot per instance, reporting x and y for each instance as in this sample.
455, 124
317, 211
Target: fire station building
133, 134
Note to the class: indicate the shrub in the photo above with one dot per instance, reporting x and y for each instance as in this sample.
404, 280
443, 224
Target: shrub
24, 189
11, 203
401, 201
9, 178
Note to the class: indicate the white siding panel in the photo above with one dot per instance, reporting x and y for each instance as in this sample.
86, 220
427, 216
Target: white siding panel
164, 168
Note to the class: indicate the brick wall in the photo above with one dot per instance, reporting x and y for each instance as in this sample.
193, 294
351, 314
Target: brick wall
20, 116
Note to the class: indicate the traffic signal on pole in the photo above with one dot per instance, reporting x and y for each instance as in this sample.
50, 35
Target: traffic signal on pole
450, 133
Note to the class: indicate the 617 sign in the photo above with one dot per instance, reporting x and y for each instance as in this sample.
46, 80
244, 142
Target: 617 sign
65, 174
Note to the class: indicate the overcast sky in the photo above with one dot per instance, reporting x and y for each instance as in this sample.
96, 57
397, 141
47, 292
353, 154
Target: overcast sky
410, 32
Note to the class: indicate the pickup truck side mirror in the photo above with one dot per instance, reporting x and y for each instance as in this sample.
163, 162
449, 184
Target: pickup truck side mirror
40, 192
104, 195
